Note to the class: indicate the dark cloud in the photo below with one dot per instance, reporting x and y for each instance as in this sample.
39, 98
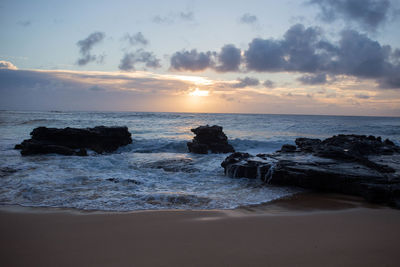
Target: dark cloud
391, 79
192, 60
229, 58
96, 88
299, 45
24, 23
129, 60
305, 50
370, 14
162, 20
297, 51
136, 39
248, 19
87, 44
227, 97
396, 54
174, 17
269, 84
265, 55
362, 96
49, 90
360, 56
85, 47
318, 78
245, 82
188, 16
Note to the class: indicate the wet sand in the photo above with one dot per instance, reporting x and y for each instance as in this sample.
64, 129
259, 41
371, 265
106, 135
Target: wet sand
306, 230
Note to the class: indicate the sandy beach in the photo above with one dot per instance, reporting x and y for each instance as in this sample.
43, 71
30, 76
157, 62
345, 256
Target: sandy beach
306, 230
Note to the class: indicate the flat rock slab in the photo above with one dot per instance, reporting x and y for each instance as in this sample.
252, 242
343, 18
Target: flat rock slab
357, 165
75, 141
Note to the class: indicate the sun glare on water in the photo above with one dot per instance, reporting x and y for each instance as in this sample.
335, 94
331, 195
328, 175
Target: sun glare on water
198, 92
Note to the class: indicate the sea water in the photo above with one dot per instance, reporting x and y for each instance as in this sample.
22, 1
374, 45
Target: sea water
156, 171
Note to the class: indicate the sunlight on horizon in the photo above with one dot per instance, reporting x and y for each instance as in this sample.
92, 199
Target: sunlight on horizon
198, 92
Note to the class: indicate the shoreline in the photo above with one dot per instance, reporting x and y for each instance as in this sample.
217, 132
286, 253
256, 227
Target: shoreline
298, 202
304, 230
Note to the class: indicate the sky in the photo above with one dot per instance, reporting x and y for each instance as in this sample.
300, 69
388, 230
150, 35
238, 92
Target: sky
333, 57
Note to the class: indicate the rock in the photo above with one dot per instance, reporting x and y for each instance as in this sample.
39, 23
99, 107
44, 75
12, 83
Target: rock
209, 138
307, 144
288, 148
74, 141
350, 164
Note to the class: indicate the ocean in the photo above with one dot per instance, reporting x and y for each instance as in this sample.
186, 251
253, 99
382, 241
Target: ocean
156, 171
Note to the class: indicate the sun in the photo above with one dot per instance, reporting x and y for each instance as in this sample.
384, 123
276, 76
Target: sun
198, 92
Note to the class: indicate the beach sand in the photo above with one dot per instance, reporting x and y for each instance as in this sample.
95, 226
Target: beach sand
306, 230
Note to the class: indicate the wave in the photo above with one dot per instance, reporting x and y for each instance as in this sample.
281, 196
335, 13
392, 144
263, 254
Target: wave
175, 200
180, 146
35, 121
256, 146
156, 146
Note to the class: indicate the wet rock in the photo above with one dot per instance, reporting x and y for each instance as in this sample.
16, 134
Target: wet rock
350, 164
74, 141
307, 144
288, 148
209, 138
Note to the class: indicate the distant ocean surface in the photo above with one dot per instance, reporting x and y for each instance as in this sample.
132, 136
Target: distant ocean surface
156, 171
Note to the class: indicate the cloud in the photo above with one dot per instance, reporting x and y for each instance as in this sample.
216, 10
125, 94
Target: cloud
129, 60
362, 96
245, 82
264, 55
24, 23
96, 88
229, 59
369, 14
85, 47
192, 60
312, 79
269, 84
146, 91
7, 65
87, 44
305, 50
162, 20
174, 17
188, 16
300, 47
248, 18
77, 90
136, 39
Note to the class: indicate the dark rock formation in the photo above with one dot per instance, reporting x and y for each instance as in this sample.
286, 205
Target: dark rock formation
209, 138
74, 141
350, 164
288, 148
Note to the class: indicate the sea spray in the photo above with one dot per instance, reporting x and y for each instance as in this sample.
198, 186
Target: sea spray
269, 174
